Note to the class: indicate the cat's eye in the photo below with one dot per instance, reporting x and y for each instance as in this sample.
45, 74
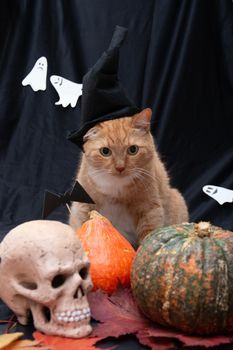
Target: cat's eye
132, 150
105, 151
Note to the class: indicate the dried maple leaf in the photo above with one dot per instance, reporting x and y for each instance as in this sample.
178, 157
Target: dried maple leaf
61, 343
119, 315
157, 343
6, 339
25, 345
188, 340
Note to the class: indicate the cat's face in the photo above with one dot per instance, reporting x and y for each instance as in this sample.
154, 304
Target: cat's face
119, 147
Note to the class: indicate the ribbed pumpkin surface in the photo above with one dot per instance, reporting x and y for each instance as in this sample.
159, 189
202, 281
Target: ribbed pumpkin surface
182, 276
110, 254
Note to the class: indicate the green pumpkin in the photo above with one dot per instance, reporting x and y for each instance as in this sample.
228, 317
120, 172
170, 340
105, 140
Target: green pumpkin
182, 276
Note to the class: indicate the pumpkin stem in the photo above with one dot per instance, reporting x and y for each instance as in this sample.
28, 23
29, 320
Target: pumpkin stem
95, 214
203, 229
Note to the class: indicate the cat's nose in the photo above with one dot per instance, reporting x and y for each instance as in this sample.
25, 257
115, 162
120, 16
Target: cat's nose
120, 168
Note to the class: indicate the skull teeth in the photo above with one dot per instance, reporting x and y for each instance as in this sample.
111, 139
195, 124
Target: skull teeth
73, 315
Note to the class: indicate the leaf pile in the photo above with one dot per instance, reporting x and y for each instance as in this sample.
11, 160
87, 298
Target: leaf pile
116, 315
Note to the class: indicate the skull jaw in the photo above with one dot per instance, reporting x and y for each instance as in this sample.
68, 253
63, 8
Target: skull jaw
69, 331
48, 322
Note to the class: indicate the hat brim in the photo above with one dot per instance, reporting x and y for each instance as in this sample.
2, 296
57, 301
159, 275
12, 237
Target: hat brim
76, 136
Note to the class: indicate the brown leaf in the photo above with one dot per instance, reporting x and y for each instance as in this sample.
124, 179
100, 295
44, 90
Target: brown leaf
188, 340
6, 339
117, 313
157, 343
61, 343
25, 345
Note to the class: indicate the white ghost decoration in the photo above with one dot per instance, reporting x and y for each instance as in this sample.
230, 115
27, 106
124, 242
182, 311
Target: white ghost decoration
67, 90
220, 194
38, 75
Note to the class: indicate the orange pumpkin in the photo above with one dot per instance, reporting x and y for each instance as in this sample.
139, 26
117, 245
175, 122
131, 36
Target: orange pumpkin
110, 254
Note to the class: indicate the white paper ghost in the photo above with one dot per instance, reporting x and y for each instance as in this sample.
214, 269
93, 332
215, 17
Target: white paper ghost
220, 194
38, 75
67, 90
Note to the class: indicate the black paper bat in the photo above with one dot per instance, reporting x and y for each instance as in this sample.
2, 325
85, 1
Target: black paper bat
53, 200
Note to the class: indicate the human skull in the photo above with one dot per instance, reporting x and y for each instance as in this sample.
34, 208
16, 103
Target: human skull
44, 272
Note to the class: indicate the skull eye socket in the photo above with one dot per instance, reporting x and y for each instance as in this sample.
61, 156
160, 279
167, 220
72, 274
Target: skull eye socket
58, 281
84, 272
28, 285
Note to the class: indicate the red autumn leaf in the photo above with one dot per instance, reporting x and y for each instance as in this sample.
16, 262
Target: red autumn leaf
157, 343
188, 340
119, 315
61, 343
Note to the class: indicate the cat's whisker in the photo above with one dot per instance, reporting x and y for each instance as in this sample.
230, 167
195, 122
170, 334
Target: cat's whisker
136, 197
140, 178
145, 172
144, 185
133, 180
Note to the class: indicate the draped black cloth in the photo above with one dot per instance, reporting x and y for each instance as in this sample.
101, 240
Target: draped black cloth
177, 59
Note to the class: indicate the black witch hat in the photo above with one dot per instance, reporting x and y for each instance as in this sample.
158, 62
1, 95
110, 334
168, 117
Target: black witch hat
103, 96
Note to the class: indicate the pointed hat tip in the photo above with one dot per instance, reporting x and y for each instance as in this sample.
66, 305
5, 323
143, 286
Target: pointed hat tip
118, 37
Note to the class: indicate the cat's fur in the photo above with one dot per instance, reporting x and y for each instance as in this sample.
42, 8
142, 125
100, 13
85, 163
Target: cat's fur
133, 191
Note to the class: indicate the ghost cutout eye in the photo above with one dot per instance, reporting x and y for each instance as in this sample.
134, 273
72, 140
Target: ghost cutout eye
209, 189
58, 81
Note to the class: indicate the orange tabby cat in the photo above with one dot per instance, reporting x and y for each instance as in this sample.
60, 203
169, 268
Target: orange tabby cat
121, 170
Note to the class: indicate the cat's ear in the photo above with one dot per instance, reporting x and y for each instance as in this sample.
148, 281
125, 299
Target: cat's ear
142, 120
91, 134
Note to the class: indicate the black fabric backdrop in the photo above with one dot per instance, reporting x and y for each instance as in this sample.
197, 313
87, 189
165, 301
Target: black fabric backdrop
177, 59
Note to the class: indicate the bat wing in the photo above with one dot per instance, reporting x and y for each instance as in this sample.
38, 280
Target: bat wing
51, 202
78, 194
